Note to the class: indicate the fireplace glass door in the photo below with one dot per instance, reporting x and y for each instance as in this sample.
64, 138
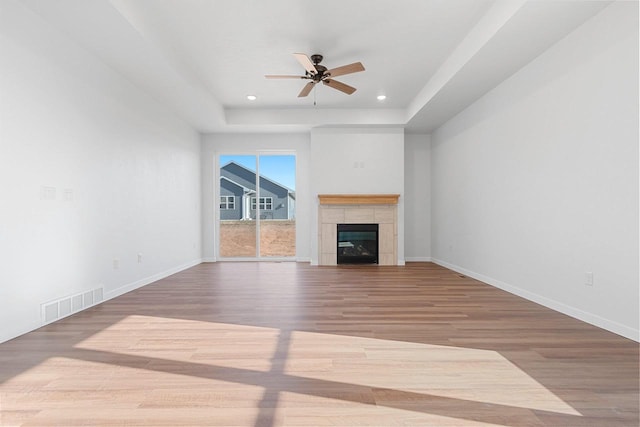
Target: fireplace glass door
357, 244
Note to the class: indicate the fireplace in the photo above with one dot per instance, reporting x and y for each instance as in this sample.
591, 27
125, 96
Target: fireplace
380, 209
357, 243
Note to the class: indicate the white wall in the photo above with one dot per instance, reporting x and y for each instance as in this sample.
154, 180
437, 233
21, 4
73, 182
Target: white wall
357, 161
215, 144
124, 174
417, 202
537, 182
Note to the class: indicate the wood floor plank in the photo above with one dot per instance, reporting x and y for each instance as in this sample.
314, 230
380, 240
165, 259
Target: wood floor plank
288, 344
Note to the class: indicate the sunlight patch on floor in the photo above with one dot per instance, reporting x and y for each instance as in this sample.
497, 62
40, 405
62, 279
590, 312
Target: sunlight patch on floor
361, 416
421, 370
219, 344
310, 367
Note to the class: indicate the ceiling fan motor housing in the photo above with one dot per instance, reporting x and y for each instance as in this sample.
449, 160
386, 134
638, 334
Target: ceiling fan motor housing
321, 69
321, 74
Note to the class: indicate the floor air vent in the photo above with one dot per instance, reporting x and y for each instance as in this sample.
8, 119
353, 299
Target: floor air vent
54, 310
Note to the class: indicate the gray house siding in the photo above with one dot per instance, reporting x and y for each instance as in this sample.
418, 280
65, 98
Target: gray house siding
239, 181
228, 188
278, 195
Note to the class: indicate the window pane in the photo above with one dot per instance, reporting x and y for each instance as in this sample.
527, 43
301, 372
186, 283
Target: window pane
277, 206
237, 227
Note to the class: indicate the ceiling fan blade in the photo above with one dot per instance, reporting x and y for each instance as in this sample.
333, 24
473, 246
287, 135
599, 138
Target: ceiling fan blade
306, 62
346, 69
340, 86
306, 89
278, 76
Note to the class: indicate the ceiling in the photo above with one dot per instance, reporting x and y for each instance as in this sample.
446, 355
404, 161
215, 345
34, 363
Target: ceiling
201, 58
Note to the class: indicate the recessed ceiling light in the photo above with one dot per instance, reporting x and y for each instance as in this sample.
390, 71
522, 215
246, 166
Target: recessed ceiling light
382, 97
252, 97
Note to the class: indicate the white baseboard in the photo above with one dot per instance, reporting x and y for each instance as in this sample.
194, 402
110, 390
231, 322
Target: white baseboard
303, 259
418, 259
147, 280
576, 313
209, 259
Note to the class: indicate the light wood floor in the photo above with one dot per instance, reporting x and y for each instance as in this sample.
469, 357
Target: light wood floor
271, 344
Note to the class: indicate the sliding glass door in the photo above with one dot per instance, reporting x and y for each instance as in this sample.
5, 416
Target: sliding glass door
237, 227
256, 206
276, 204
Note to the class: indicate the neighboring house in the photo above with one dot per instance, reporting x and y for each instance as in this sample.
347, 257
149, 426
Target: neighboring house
238, 195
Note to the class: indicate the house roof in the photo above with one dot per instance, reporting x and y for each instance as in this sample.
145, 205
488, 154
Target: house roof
245, 189
289, 190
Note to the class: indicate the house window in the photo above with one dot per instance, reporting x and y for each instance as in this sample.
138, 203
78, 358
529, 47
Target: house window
266, 203
227, 202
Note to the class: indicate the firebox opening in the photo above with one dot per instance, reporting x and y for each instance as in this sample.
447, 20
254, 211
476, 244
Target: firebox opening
357, 244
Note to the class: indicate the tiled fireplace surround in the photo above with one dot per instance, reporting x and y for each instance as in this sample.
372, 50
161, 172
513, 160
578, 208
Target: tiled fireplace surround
337, 209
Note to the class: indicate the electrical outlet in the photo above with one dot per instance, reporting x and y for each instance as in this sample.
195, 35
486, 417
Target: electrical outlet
588, 278
116, 264
139, 258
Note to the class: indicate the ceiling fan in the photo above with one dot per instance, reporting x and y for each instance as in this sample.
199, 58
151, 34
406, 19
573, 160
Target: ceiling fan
319, 73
